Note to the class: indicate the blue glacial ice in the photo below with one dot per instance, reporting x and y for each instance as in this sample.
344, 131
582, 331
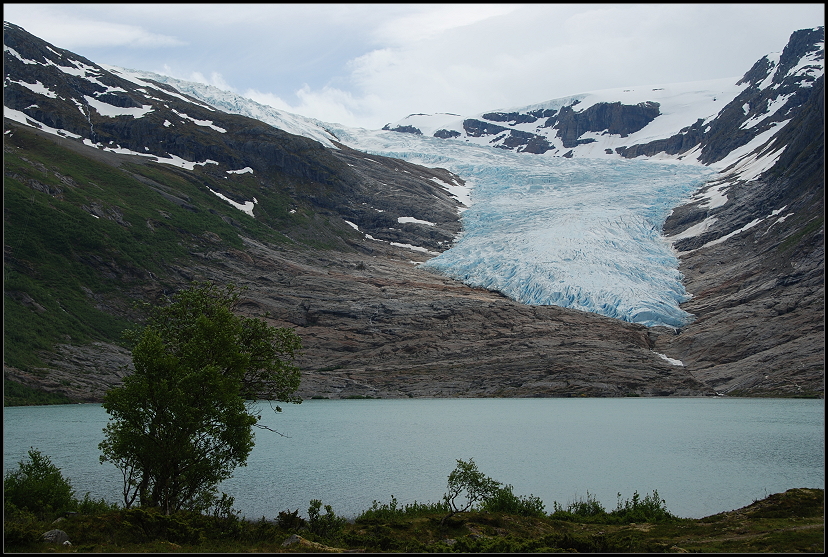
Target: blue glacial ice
577, 233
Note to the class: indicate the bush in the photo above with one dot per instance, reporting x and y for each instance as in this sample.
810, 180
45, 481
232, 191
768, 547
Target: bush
288, 520
87, 505
650, 509
393, 511
149, 524
589, 510
323, 525
20, 528
38, 486
505, 501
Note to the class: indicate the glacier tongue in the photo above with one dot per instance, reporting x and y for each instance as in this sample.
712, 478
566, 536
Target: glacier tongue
577, 233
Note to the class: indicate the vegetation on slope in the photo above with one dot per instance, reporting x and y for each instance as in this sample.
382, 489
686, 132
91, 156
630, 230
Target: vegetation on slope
38, 499
84, 238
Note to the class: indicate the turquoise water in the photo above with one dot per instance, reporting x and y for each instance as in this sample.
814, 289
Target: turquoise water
703, 455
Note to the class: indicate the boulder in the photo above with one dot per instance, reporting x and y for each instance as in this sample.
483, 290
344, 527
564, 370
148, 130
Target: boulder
56, 536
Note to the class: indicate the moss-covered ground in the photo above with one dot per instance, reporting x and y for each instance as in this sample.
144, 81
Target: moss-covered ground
781, 523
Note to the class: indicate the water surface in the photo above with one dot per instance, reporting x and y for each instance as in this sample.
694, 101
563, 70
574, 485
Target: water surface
703, 455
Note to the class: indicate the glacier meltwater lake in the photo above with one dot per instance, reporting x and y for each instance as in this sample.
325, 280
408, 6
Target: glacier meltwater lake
703, 455
578, 233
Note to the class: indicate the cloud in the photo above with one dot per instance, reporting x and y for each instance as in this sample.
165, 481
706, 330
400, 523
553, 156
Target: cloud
429, 20
370, 64
269, 99
461, 60
62, 26
216, 80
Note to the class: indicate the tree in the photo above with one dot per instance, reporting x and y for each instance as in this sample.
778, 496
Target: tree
466, 478
183, 421
38, 486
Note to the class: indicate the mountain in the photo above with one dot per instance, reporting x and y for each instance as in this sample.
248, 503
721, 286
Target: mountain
122, 185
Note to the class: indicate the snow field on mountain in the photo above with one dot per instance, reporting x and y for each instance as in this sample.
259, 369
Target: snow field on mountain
680, 105
577, 233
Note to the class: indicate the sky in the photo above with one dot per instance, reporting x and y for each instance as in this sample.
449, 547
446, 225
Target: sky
365, 65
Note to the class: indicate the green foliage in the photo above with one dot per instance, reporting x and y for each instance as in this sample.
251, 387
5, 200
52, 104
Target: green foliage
794, 238
580, 510
650, 509
473, 485
90, 506
17, 394
151, 524
479, 490
325, 525
38, 486
393, 511
183, 421
20, 528
781, 523
288, 520
505, 501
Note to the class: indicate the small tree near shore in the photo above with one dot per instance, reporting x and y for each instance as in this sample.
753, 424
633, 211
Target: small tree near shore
183, 421
472, 484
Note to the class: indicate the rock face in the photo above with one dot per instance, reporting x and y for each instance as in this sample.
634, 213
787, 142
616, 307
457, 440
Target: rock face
615, 118
381, 326
336, 236
775, 92
759, 296
571, 124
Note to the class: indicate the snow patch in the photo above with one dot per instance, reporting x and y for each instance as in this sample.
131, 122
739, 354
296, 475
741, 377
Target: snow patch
36, 87
460, 193
670, 360
204, 123
22, 118
415, 221
110, 111
246, 207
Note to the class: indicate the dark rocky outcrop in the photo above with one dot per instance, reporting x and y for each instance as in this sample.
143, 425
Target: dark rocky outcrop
446, 134
511, 117
403, 129
478, 128
614, 118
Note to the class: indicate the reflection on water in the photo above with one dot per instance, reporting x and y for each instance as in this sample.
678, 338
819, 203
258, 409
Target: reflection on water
703, 455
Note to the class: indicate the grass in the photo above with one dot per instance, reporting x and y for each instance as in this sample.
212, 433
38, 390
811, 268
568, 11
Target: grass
83, 240
785, 522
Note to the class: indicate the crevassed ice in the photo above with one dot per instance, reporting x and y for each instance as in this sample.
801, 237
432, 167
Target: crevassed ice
577, 233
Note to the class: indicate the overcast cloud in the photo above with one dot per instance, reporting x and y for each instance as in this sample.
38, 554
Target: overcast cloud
367, 64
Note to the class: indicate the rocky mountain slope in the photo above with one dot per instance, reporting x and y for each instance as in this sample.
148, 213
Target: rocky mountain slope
119, 187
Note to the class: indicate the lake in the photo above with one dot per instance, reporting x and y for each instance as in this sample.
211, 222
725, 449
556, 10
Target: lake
703, 455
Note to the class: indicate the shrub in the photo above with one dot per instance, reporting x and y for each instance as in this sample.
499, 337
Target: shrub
288, 520
505, 501
20, 528
38, 486
323, 525
393, 511
87, 505
589, 510
650, 509
467, 480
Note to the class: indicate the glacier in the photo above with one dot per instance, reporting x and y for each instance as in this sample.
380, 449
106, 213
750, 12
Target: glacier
581, 233
577, 233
